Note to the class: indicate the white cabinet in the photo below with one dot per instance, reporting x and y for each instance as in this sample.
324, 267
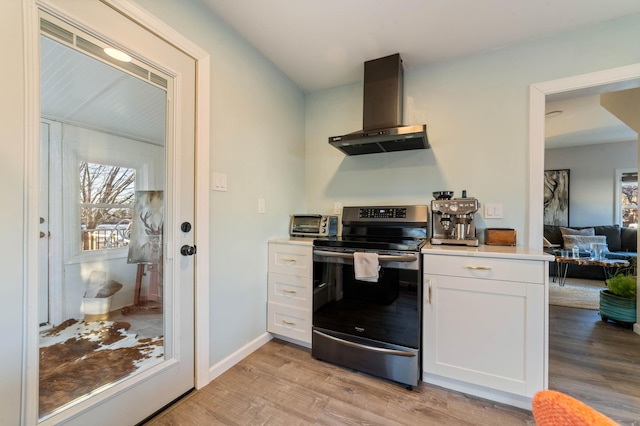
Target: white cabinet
484, 324
290, 286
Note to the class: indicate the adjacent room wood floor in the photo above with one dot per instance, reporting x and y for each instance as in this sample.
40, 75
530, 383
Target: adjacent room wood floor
595, 362
280, 384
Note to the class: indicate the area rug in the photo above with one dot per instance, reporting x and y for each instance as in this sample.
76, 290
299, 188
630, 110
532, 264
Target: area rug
576, 293
78, 357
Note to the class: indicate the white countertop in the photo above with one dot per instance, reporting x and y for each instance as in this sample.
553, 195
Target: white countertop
302, 241
504, 252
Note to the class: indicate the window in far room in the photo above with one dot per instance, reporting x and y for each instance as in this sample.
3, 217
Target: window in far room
627, 197
106, 203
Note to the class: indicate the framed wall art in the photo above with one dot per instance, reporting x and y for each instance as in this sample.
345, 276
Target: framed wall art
145, 245
556, 197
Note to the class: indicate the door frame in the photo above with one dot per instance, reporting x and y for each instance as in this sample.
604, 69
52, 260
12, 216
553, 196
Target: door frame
32, 142
537, 100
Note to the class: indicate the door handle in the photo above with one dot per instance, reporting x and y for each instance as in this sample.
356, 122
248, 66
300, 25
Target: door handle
366, 347
187, 250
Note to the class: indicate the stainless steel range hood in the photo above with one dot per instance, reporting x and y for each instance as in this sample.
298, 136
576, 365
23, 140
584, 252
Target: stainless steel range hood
382, 130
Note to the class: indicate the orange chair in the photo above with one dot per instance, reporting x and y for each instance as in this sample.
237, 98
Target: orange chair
551, 408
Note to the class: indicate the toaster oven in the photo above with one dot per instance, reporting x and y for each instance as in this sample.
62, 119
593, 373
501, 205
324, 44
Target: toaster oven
313, 225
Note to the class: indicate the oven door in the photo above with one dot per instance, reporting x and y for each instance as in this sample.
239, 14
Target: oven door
387, 311
369, 326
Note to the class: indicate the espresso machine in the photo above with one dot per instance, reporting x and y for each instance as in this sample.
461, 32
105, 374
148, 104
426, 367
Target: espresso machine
452, 219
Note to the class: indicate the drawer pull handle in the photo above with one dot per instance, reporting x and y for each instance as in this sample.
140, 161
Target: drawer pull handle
286, 290
289, 259
479, 268
288, 322
429, 291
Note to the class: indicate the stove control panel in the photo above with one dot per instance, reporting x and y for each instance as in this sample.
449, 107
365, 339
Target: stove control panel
383, 213
379, 216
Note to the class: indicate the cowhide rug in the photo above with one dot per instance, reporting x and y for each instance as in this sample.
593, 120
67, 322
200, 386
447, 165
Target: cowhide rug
77, 358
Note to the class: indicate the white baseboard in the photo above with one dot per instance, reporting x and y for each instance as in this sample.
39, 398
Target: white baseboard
479, 391
222, 366
636, 328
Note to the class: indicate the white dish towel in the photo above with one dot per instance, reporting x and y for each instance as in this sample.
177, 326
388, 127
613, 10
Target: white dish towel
366, 266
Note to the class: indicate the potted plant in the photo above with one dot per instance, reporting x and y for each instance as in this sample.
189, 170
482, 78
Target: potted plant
618, 301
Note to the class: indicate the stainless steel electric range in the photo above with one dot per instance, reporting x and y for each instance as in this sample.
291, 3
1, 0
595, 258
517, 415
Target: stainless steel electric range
371, 325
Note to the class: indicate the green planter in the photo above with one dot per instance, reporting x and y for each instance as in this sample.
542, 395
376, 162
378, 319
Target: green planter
617, 308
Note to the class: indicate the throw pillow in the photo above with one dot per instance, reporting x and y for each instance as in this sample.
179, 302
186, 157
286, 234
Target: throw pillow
582, 241
612, 232
572, 231
628, 238
552, 233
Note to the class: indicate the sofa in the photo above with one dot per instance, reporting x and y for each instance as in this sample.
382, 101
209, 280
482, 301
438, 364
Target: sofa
621, 244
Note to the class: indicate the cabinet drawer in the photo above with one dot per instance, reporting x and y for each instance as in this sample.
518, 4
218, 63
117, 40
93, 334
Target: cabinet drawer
290, 322
485, 268
291, 290
291, 259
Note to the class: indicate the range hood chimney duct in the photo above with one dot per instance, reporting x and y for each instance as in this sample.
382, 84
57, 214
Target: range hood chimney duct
382, 128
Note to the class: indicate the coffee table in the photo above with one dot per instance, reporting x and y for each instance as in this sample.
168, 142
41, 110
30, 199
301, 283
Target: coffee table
607, 265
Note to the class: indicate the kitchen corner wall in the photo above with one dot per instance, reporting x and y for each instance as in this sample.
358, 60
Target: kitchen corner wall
257, 140
477, 115
476, 109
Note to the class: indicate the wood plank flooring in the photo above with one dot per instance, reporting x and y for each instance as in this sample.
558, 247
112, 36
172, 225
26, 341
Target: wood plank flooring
280, 384
595, 362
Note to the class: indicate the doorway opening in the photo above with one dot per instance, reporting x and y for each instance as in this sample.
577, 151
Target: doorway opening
598, 82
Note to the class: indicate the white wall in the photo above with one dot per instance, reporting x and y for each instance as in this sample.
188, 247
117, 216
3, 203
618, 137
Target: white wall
257, 139
592, 178
477, 114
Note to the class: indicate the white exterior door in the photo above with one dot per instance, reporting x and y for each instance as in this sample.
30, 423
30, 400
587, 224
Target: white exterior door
135, 238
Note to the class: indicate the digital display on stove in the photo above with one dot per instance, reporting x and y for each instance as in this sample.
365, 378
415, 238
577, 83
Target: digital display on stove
383, 213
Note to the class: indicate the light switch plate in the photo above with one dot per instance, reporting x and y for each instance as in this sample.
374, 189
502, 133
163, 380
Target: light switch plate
493, 211
219, 182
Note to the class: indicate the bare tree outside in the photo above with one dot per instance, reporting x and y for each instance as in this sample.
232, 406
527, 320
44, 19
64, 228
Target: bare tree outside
630, 204
106, 201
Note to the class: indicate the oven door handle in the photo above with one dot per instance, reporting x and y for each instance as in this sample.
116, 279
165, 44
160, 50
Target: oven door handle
381, 258
366, 347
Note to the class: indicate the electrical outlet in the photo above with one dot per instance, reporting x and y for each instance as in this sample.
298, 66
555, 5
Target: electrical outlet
337, 207
261, 205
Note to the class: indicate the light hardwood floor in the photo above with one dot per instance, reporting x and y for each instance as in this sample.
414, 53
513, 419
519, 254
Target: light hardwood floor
595, 362
280, 384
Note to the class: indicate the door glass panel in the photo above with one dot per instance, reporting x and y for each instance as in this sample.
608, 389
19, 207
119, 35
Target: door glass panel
106, 321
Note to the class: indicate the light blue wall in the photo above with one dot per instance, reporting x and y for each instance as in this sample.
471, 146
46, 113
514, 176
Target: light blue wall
592, 178
257, 139
477, 115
